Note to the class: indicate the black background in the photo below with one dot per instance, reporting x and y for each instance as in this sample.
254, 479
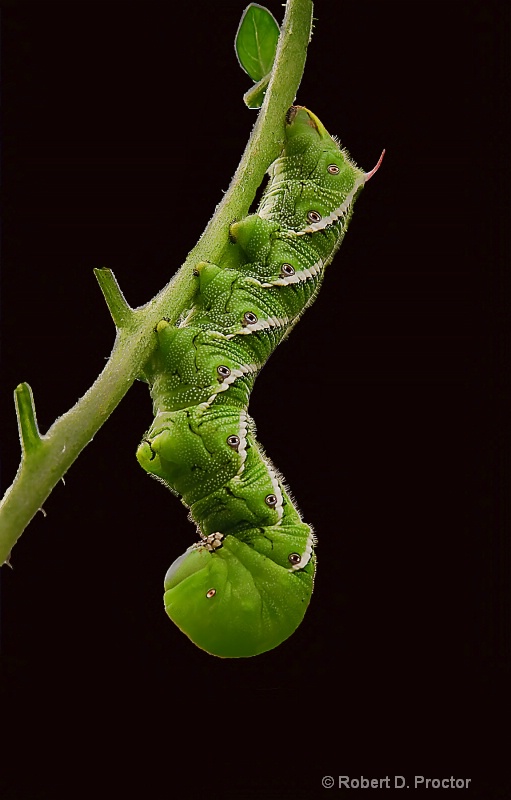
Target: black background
387, 410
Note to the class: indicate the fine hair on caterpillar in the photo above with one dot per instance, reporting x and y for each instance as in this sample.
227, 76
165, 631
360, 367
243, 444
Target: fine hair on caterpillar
244, 587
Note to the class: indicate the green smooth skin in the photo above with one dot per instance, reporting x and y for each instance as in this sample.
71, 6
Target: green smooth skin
246, 589
256, 605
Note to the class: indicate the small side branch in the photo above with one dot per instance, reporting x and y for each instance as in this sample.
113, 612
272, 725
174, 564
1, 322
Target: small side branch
121, 312
27, 422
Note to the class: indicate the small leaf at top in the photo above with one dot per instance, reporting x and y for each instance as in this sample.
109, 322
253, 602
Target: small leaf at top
256, 41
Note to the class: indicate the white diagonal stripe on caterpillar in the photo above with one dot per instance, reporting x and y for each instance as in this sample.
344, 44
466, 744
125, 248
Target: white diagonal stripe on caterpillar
261, 325
306, 555
242, 448
336, 214
277, 491
222, 387
298, 277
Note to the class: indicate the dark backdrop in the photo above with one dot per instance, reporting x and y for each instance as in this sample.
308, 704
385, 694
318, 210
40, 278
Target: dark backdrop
387, 410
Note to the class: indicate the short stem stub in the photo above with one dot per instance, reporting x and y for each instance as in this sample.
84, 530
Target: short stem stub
30, 437
121, 312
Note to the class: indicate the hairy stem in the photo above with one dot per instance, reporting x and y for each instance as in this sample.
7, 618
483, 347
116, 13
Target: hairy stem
45, 459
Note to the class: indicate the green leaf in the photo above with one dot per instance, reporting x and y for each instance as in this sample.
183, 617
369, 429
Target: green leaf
256, 41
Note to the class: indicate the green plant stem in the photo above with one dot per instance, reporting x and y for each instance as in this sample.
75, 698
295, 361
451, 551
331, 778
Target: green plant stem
45, 459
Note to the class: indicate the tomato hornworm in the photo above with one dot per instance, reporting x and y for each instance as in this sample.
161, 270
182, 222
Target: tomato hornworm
245, 586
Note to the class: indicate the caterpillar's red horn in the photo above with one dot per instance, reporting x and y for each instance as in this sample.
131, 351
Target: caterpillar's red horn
374, 169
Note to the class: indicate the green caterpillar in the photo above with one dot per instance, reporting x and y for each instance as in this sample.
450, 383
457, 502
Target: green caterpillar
245, 586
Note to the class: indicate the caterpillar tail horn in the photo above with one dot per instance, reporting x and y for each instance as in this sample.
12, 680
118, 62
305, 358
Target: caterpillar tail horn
370, 174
